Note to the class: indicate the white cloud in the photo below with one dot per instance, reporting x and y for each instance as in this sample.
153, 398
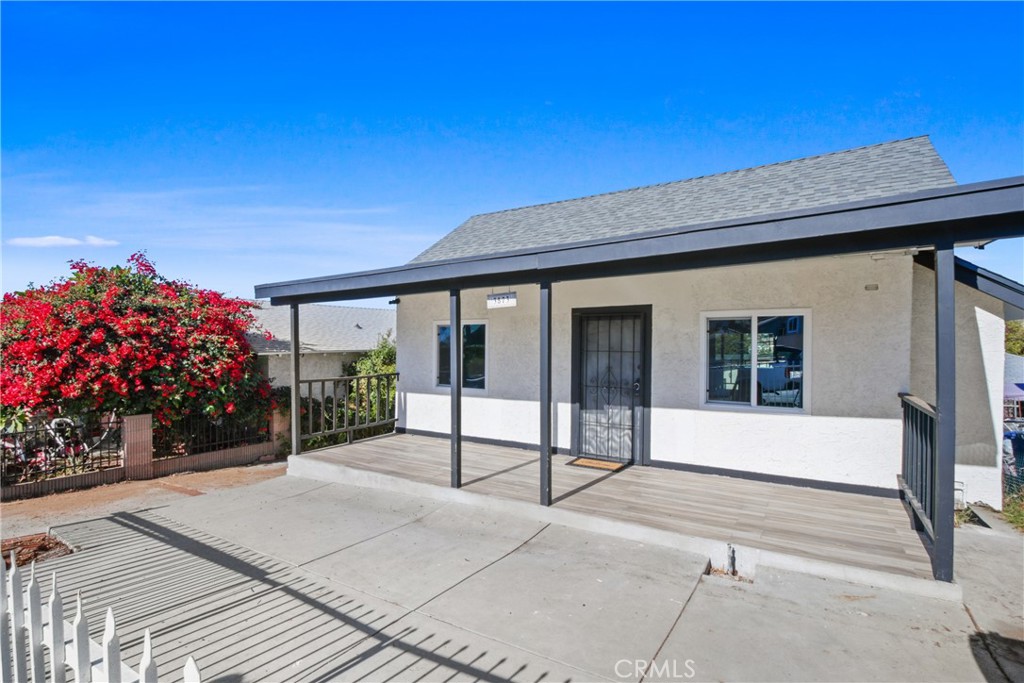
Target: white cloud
60, 241
94, 241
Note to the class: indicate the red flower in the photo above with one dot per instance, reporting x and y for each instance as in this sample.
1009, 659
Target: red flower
129, 341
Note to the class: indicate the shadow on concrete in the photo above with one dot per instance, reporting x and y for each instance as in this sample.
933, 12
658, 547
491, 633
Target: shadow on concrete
199, 613
1007, 654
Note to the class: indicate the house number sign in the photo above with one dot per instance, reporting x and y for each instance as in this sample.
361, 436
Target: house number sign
503, 300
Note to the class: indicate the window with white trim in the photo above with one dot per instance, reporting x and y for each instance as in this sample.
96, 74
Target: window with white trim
474, 356
755, 359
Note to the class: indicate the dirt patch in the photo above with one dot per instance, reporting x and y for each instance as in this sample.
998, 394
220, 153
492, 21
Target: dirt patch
36, 547
965, 517
180, 489
715, 571
36, 515
213, 480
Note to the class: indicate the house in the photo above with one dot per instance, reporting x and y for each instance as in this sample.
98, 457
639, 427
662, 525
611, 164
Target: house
332, 338
804, 322
1013, 387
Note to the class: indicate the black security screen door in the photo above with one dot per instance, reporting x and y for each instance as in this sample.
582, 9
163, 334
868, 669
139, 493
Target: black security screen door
611, 377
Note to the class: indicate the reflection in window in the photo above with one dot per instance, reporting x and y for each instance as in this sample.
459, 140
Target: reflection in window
780, 367
444, 358
474, 359
729, 360
776, 379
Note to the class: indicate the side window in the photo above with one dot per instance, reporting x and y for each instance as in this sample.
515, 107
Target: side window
756, 360
474, 361
444, 359
474, 356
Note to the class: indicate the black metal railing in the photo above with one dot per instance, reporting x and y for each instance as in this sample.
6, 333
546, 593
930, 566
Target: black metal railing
341, 409
46, 448
198, 434
917, 480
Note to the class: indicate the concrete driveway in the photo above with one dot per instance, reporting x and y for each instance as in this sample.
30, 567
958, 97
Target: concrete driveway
293, 579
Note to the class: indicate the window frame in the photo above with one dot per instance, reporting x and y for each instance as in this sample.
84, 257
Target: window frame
753, 315
435, 351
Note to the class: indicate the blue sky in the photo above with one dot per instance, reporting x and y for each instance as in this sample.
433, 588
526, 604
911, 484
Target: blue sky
242, 143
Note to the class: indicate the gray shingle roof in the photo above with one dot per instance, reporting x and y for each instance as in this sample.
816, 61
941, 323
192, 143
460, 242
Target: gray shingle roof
881, 170
322, 328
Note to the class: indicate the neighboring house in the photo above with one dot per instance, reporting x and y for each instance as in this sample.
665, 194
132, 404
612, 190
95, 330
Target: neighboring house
331, 337
1013, 387
760, 323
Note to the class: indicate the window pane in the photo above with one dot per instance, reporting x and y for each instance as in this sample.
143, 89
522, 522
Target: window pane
729, 360
780, 368
444, 358
474, 363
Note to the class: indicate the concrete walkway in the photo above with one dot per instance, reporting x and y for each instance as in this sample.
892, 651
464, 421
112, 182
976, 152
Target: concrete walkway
990, 567
362, 598
293, 579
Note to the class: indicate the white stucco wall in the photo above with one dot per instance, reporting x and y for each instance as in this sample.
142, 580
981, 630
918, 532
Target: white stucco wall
980, 359
859, 340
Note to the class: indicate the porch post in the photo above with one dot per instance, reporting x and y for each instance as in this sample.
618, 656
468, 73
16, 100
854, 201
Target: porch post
545, 393
455, 359
296, 406
945, 410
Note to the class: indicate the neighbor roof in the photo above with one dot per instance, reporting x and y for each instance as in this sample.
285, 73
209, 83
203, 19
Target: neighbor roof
882, 170
322, 328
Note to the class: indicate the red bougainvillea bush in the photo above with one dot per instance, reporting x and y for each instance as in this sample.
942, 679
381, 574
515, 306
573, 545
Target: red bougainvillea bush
127, 340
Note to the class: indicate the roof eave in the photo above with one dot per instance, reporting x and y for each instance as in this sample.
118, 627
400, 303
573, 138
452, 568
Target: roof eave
995, 285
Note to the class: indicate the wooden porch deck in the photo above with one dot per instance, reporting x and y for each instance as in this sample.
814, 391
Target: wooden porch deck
859, 530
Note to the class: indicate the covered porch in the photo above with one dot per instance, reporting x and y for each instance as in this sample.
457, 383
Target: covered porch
857, 530
929, 223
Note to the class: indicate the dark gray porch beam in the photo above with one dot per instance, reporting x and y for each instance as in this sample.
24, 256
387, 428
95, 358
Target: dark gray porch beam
985, 281
295, 393
545, 393
945, 409
455, 377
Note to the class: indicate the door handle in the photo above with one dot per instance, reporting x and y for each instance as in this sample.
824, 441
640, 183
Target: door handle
636, 386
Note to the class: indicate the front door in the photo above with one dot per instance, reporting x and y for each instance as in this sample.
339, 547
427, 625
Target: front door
610, 381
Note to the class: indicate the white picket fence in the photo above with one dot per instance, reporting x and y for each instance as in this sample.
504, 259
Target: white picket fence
27, 628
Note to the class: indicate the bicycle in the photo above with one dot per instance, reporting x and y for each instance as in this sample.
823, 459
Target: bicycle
57, 447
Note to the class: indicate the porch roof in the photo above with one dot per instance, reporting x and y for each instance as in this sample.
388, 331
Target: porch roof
963, 214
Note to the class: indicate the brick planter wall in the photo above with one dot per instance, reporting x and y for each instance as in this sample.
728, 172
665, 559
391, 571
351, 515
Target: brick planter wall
85, 480
241, 455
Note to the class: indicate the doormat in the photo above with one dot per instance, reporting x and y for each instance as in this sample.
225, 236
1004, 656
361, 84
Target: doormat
595, 464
